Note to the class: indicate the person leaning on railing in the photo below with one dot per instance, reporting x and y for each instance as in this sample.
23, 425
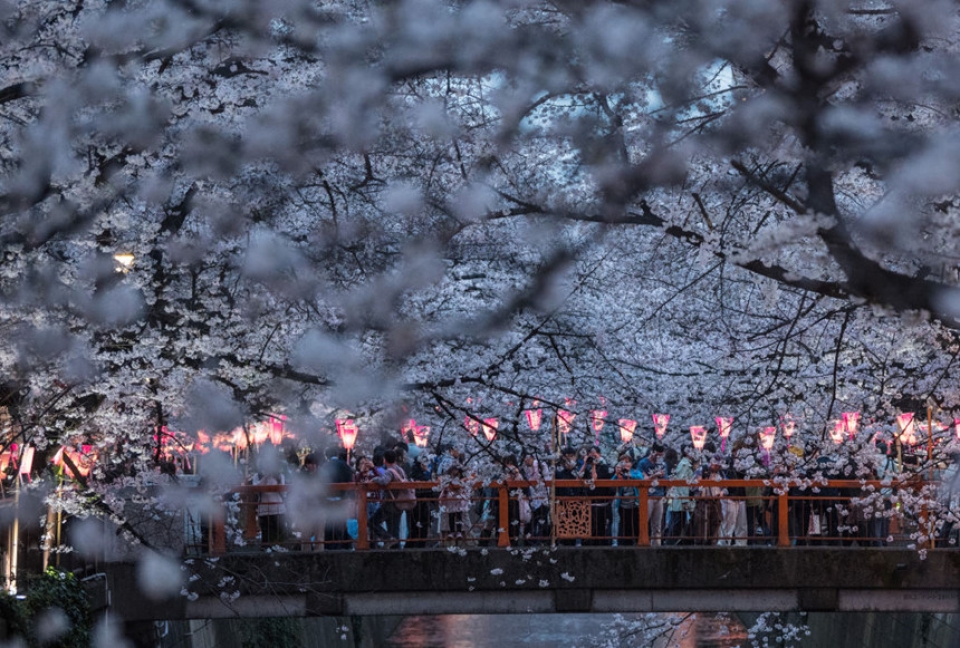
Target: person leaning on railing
628, 501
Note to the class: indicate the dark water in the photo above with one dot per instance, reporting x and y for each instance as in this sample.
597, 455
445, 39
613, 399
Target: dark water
553, 631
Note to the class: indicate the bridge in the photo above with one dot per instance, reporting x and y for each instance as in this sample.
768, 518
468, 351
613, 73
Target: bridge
779, 573
544, 580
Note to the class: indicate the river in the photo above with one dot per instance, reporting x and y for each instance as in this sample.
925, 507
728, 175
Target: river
557, 630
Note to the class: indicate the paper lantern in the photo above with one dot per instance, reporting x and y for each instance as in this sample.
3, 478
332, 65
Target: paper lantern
767, 437
908, 432
421, 434
851, 421
698, 434
627, 426
490, 426
472, 425
839, 429
534, 417
660, 424
598, 419
348, 431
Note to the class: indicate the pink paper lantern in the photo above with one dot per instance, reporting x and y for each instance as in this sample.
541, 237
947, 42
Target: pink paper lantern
472, 425
348, 431
698, 434
724, 426
490, 426
851, 421
534, 418
598, 419
660, 424
627, 426
421, 434
908, 432
839, 429
767, 437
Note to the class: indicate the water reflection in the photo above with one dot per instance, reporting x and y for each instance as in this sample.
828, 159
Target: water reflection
552, 630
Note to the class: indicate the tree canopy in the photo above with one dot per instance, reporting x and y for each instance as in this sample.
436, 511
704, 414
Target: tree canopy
444, 209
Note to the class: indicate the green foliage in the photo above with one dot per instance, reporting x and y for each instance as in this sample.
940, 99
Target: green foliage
52, 589
270, 633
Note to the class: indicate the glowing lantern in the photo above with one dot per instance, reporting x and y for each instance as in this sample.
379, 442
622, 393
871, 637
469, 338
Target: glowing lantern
627, 427
724, 426
347, 430
698, 434
598, 419
789, 426
260, 433
839, 428
26, 463
956, 429
908, 432
421, 434
850, 421
472, 425
490, 426
660, 424
534, 417
767, 437
276, 429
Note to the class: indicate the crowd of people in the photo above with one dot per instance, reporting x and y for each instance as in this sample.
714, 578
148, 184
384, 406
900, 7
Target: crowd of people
462, 506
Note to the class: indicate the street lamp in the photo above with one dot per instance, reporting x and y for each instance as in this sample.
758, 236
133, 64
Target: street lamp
124, 261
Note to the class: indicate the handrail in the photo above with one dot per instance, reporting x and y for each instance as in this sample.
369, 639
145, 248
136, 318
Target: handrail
778, 490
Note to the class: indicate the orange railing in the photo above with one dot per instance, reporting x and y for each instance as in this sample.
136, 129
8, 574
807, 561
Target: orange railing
788, 512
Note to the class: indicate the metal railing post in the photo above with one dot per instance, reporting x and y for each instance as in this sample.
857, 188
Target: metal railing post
643, 530
783, 519
363, 538
503, 495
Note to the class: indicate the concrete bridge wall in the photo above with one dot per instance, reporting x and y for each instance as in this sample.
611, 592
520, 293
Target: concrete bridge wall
588, 580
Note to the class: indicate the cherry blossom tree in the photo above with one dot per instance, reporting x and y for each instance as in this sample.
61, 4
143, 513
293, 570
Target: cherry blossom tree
450, 209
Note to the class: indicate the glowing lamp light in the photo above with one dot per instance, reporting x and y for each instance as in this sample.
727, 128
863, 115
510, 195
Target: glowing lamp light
421, 433
698, 434
851, 420
789, 426
660, 424
627, 426
347, 431
908, 432
839, 429
956, 429
767, 437
490, 426
124, 261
